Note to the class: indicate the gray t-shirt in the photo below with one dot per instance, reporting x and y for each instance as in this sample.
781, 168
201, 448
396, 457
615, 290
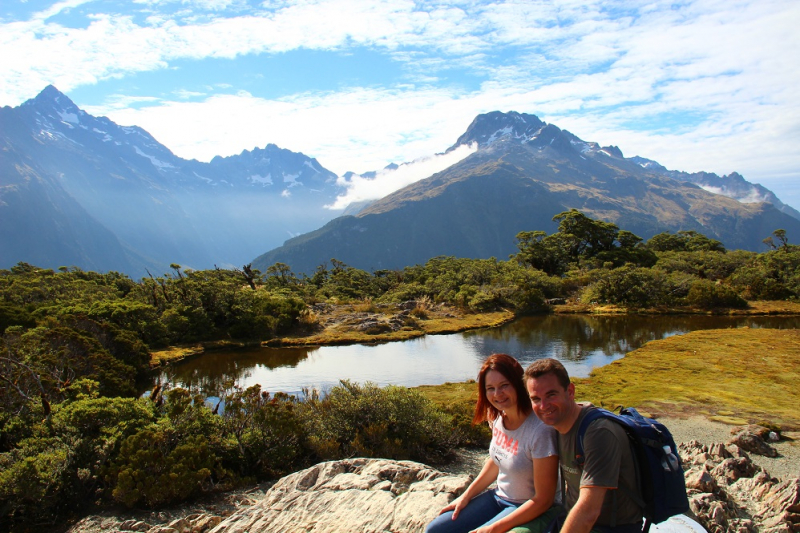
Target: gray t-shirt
608, 463
514, 451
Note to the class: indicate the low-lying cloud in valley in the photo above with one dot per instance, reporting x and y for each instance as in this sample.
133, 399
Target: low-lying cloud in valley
389, 180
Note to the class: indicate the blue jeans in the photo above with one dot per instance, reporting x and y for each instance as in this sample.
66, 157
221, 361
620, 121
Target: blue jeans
486, 508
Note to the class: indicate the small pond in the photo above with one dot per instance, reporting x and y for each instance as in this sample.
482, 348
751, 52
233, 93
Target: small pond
580, 342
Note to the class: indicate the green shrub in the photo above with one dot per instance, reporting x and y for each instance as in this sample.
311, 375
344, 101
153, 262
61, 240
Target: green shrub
367, 420
269, 437
57, 468
33, 482
261, 314
152, 469
629, 286
709, 295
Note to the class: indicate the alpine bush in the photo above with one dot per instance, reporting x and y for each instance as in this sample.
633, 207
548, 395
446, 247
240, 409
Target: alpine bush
366, 420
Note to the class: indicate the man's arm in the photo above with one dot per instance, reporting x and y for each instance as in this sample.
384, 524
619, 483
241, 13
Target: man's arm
586, 510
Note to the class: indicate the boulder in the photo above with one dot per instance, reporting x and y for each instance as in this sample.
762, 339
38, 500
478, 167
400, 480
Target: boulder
751, 439
734, 468
700, 480
355, 495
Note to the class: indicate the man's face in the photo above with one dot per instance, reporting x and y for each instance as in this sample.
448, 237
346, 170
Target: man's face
552, 403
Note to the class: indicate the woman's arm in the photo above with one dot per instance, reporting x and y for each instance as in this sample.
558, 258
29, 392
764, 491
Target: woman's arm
486, 477
545, 481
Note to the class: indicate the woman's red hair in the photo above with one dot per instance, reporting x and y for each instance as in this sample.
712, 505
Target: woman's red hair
512, 371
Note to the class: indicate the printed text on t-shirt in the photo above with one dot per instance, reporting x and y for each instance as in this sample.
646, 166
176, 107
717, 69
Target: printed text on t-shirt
505, 442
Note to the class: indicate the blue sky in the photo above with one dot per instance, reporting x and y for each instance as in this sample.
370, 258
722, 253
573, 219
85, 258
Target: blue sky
695, 85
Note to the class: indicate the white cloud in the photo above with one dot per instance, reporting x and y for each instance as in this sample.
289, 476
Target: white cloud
751, 198
357, 130
697, 85
389, 180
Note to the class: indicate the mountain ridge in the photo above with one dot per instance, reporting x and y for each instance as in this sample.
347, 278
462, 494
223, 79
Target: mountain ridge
152, 208
161, 208
524, 172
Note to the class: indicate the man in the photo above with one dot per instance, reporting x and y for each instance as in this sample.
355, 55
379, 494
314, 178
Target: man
600, 494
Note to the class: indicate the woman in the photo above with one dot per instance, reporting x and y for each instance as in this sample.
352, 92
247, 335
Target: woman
523, 460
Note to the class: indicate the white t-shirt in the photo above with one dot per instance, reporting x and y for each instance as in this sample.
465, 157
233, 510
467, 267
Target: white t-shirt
514, 451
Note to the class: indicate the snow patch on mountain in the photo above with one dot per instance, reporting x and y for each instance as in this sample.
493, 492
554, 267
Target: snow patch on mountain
499, 133
264, 180
581, 146
160, 165
291, 179
207, 180
69, 118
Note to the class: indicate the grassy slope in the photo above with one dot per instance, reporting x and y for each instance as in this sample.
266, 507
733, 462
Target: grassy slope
735, 375
732, 375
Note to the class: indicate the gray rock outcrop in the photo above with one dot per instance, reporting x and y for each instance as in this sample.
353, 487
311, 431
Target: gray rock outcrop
358, 495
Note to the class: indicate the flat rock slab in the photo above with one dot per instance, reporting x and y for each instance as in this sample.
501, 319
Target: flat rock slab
355, 495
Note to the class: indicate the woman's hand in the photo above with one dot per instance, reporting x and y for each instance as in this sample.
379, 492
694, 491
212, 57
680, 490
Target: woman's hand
455, 506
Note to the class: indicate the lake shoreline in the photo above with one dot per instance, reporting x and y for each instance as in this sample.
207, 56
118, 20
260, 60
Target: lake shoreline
342, 326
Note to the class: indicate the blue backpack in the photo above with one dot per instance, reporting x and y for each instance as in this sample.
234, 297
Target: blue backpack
662, 487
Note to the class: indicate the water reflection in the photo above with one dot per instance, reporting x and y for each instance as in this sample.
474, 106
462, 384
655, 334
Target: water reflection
209, 372
580, 342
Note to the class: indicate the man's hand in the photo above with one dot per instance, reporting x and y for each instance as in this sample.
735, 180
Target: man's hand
586, 510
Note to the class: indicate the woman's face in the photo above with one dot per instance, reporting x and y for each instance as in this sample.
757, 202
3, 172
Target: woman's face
500, 392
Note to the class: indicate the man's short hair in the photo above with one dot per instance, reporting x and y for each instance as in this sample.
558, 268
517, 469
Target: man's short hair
540, 367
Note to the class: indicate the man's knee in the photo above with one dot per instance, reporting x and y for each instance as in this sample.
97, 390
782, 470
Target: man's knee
548, 521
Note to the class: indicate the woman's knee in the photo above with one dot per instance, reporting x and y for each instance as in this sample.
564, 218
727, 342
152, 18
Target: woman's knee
441, 524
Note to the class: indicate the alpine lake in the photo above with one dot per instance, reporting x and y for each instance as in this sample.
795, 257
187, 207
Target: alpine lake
580, 342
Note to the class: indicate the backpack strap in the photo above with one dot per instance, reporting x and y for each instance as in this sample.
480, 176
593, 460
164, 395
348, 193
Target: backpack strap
591, 416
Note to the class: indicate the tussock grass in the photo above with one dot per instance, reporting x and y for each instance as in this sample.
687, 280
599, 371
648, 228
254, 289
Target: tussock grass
364, 306
765, 307
458, 400
174, 354
732, 375
777, 307
452, 393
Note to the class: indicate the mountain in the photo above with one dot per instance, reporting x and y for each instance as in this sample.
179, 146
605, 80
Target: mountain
39, 221
97, 182
524, 172
733, 185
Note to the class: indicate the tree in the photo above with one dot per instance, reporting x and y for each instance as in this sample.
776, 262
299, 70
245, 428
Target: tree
591, 236
578, 239
542, 252
779, 234
683, 241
